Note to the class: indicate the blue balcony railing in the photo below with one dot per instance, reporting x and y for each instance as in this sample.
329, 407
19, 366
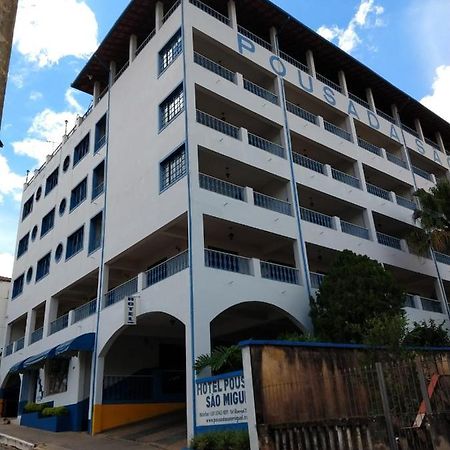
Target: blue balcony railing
214, 67
345, 178
442, 258
410, 130
85, 311
396, 160
358, 100
389, 241
97, 190
294, 62
379, 192
429, 304
432, 144
369, 147
264, 144
120, 292
101, 141
334, 129
315, 217
217, 124
409, 301
422, 173
300, 112
166, 269
59, 324
385, 116
260, 92
221, 187
405, 202
274, 204
309, 163
37, 335
9, 349
212, 12
328, 82
253, 37
316, 279
355, 230
227, 261
279, 272
20, 344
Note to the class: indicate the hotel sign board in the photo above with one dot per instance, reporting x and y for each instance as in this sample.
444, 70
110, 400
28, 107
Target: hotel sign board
130, 311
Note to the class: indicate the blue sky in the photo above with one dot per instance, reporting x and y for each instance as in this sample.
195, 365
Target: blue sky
405, 41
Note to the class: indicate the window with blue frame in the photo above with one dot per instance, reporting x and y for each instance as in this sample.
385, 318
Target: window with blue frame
75, 242
98, 180
168, 54
173, 168
43, 267
23, 245
52, 181
78, 194
81, 150
18, 286
48, 221
95, 232
171, 107
100, 134
27, 207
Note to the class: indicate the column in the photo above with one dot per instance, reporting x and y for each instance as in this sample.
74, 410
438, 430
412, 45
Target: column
370, 99
441, 296
440, 141
29, 327
51, 310
370, 224
132, 48
96, 92
396, 115
112, 71
95, 417
343, 82
273, 39
418, 126
159, 14
232, 14
310, 63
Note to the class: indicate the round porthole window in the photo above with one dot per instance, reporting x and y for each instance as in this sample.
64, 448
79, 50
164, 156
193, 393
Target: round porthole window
66, 163
62, 206
29, 274
38, 193
58, 252
34, 232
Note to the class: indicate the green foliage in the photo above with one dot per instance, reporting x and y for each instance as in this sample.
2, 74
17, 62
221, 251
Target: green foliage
35, 407
434, 217
386, 330
55, 411
297, 337
223, 440
355, 291
221, 360
427, 334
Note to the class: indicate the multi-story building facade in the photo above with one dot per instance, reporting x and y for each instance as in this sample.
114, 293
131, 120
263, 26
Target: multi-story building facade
5, 284
228, 154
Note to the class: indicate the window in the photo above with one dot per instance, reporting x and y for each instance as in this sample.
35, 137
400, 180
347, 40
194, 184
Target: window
75, 242
95, 232
66, 163
23, 245
43, 267
57, 373
38, 193
29, 275
34, 233
81, 150
48, 221
170, 51
18, 286
52, 181
173, 168
98, 179
100, 134
27, 207
59, 252
78, 194
170, 108
62, 206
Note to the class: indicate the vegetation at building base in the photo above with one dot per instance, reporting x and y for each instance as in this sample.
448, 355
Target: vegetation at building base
222, 359
35, 407
222, 440
427, 334
55, 411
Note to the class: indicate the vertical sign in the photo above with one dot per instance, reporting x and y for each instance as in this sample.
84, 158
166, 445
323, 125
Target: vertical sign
130, 311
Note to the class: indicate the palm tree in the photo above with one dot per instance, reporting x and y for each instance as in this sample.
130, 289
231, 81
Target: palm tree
434, 216
222, 359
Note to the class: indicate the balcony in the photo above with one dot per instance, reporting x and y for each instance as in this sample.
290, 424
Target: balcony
274, 204
277, 272
166, 269
442, 258
389, 241
212, 12
386, 116
422, 173
214, 67
221, 187
396, 160
9, 349
309, 163
334, 129
19, 344
84, 311
358, 100
316, 279
429, 304
406, 203
59, 324
261, 92
37, 335
300, 112
294, 62
370, 147
346, 178
317, 218
328, 82
120, 292
355, 230
219, 125
253, 37
268, 146
379, 192
227, 261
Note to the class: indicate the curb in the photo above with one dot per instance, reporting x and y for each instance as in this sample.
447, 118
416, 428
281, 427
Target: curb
15, 442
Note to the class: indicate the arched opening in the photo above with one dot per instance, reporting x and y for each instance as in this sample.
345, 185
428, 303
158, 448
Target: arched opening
252, 320
11, 391
144, 372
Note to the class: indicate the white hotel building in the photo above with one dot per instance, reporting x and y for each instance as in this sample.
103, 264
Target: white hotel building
235, 153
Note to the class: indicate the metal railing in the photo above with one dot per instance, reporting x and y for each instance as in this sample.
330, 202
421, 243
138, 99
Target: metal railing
278, 272
264, 144
145, 42
166, 269
332, 128
359, 100
221, 187
442, 258
355, 230
9, 349
274, 204
97, 190
345, 178
260, 92
294, 62
328, 82
379, 192
100, 143
253, 37
422, 173
84, 311
217, 124
20, 344
429, 304
309, 163
389, 241
316, 217
121, 71
405, 202
410, 130
214, 67
300, 112
131, 388
212, 12
386, 116
316, 279
120, 292
227, 261
59, 324
432, 143
396, 160
368, 146
37, 335
171, 11
409, 301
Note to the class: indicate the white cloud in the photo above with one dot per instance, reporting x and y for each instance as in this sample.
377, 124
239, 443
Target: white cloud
48, 30
72, 101
35, 95
6, 264
439, 100
367, 16
10, 182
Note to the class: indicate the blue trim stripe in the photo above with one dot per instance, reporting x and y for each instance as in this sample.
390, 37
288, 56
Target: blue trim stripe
223, 376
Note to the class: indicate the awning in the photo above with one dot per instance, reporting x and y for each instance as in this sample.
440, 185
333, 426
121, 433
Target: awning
36, 359
17, 367
85, 343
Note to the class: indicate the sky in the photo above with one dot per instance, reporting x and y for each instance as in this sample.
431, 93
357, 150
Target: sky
405, 41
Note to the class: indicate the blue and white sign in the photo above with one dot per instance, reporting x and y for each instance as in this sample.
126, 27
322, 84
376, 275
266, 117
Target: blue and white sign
221, 401
130, 311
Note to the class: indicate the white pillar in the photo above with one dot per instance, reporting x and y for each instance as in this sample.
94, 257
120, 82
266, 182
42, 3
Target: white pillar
440, 141
96, 92
419, 130
51, 310
159, 14
132, 48
343, 82
310, 63
396, 115
273, 39
359, 173
369, 223
112, 71
232, 14
29, 327
370, 99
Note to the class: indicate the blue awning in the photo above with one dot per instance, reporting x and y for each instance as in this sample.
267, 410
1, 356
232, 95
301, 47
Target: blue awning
36, 359
85, 343
17, 367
